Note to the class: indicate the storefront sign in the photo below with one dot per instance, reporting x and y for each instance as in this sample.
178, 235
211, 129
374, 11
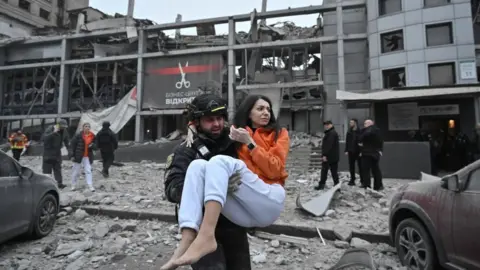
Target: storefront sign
450, 109
468, 70
403, 116
172, 82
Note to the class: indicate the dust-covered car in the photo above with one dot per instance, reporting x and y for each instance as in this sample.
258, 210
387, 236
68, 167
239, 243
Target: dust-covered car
28, 201
435, 223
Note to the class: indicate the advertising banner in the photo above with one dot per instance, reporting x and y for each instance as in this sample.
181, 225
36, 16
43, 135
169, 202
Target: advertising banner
173, 82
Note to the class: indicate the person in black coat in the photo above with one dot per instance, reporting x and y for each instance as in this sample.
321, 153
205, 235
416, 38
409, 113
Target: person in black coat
371, 144
54, 138
330, 155
107, 142
352, 150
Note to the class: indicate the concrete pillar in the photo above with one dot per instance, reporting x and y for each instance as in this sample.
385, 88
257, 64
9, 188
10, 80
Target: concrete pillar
64, 84
160, 126
476, 104
231, 68
2, 88
341, 61
138, 118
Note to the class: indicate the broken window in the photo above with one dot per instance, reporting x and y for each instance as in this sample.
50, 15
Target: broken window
393, 78
439, 34
433, 3
389, 6
392, 41
45, 14
442, 74
24, 4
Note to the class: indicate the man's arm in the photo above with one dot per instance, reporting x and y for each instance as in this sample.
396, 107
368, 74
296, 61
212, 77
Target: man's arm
48, 134
327, 145
66, 138
176, 168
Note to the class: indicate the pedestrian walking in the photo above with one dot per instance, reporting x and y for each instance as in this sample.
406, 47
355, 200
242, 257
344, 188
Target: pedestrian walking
53, 139
107, 142
81, 154
371, 144
352, 150
330, 155
18, 141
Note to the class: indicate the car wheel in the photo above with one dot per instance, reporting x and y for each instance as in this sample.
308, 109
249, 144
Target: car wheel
45, 216
414, 246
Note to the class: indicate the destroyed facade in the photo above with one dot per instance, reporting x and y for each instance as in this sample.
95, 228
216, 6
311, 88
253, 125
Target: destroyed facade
91, 60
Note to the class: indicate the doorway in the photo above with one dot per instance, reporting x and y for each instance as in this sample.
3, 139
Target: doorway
448, 145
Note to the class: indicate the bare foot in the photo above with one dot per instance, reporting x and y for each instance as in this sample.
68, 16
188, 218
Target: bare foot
202, 246
182, 247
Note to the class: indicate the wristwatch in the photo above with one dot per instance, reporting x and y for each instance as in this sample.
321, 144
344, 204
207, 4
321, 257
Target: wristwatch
251, 146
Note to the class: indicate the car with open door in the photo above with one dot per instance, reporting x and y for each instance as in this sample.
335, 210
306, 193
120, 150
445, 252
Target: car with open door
28, 201
436, 223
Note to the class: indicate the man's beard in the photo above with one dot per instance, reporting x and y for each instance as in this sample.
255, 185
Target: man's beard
212, 135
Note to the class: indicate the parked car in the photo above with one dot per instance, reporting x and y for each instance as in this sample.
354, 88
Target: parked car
28, 201
436, 224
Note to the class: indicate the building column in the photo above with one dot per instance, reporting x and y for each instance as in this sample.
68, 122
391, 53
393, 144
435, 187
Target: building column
476, 104
138, 118
231, 68
341, 61
3, 126
64, 84
159, 126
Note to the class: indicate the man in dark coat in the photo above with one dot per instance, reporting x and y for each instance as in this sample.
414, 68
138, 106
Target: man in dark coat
233, 247
330, 155
53, 139
371, 144
107, 143
352, 150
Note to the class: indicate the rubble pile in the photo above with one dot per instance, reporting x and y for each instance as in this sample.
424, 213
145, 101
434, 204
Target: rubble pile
300, 139
139, 186
353, 208
80, 241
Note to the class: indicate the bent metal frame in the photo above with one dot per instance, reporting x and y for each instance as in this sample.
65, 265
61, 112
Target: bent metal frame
142, 32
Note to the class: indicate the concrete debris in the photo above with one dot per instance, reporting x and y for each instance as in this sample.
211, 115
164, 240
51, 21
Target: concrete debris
139, 187
298, 139
130, 250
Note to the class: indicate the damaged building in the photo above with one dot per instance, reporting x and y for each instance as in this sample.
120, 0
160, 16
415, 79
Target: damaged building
94, 60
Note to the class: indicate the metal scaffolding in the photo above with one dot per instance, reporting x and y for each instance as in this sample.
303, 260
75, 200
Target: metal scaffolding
66, 64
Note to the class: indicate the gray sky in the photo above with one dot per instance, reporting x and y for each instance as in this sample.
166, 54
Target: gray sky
160, 12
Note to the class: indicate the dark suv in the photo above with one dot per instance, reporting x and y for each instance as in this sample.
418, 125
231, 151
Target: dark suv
436, 224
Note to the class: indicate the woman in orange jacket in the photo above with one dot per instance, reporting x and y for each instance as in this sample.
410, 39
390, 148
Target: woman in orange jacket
259, 200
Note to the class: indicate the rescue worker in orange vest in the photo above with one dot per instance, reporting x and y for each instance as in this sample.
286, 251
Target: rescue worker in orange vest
18, 141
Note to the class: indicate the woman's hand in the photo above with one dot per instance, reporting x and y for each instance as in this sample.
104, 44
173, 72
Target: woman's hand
240, 135
191, 130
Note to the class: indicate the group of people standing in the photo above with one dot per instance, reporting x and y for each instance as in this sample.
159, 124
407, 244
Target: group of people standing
80, 151
363, 147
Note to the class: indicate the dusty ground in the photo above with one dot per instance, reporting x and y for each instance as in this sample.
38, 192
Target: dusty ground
80, 241
140, 186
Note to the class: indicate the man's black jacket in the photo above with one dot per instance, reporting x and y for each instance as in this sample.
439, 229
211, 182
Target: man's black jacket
106, 140
372, 142
53, 143
178, 162
331, 146
352, 140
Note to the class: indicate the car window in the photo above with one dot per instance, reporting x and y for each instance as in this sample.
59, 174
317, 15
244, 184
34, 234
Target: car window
474, 181
7, 168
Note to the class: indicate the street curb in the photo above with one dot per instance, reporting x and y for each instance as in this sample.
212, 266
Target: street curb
286, 229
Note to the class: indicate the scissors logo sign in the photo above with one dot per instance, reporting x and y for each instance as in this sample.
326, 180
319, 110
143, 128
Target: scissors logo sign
183, 82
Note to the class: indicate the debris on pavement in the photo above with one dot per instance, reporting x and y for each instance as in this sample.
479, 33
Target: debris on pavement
113, 244
139, 187
318, 206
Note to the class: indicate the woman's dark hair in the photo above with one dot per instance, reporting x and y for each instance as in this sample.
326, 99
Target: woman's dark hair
242, 115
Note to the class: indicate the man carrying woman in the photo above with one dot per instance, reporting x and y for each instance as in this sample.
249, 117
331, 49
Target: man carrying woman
262, 148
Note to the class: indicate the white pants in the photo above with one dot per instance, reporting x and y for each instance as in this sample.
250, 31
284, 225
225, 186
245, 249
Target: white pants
87, 168
254, 204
